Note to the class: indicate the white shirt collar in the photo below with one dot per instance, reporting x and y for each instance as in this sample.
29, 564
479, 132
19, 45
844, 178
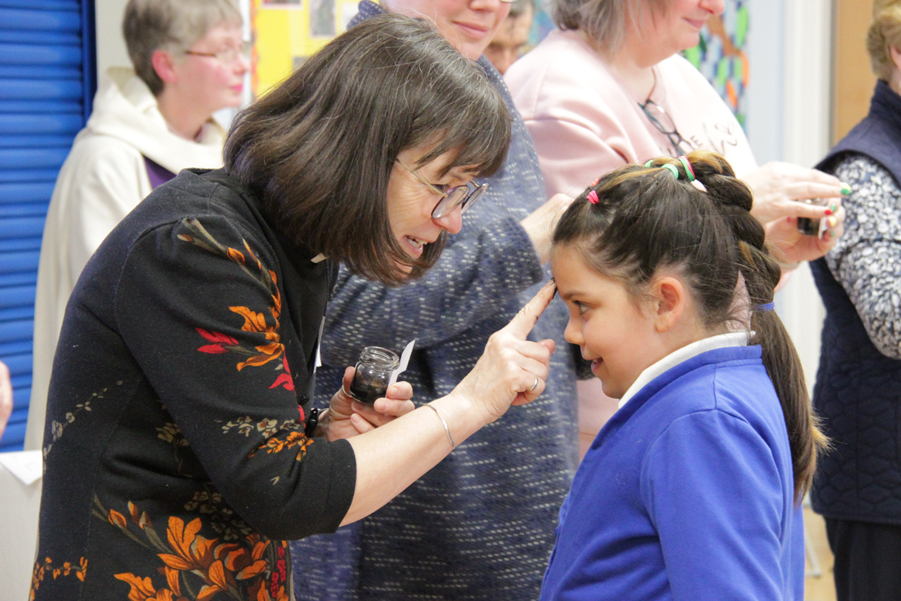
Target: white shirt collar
684, 354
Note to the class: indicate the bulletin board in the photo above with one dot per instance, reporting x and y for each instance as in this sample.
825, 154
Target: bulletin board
287, 32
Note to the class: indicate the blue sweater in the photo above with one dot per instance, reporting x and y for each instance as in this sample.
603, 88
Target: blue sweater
480, 525
687, 493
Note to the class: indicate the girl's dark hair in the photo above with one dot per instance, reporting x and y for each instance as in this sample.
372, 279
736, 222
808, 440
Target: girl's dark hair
319, 149
646, 220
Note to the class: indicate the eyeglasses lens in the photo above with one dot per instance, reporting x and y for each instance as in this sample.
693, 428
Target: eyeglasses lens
464, 196
665, 125
663, 121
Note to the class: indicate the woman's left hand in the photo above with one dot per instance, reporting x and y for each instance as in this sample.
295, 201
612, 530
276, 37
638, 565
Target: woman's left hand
791, 246
348, 417
780, 190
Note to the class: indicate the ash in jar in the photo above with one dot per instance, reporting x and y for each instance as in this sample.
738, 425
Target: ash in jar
373, 373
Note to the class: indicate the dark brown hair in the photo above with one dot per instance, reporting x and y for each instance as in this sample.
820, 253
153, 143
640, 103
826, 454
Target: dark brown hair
646, 220
319, 149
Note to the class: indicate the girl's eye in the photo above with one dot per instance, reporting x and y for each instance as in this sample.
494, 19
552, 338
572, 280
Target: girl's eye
582, 307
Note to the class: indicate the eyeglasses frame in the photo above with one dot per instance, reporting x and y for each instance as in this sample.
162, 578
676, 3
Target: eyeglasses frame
246, 49
474, 192
674, 137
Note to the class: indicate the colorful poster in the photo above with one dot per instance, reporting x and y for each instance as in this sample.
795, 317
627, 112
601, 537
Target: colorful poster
287, 32
721, 55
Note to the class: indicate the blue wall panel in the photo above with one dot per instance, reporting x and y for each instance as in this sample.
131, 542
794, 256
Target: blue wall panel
47, 81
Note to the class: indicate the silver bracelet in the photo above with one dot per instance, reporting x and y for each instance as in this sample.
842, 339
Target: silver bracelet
444, 423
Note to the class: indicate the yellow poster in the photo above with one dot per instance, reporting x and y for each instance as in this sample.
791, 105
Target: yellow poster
287, 32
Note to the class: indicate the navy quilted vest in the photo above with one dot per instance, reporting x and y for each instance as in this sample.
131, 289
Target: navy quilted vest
858, 389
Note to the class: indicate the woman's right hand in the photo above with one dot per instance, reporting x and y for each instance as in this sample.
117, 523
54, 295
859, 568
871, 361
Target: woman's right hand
780, 188
512, 370
391, 457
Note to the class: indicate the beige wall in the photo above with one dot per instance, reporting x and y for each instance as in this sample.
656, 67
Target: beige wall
110, 45
853, 80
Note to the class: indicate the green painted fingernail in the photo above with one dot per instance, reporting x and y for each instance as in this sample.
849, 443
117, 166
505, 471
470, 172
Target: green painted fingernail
833, 207
846, 189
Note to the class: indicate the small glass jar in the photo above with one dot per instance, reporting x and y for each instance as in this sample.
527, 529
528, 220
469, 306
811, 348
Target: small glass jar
373, 373
811, 227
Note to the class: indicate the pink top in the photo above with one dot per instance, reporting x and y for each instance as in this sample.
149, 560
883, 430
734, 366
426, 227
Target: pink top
584, 123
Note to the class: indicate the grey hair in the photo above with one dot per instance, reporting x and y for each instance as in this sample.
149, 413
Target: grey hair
884, 33
173, 25
604, 21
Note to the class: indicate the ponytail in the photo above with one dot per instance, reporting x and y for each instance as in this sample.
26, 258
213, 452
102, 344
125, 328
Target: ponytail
761, 274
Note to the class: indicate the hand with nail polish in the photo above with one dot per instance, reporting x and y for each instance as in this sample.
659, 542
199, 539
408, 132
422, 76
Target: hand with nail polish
779, 191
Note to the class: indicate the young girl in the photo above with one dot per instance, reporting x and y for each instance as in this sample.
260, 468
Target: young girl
692, 490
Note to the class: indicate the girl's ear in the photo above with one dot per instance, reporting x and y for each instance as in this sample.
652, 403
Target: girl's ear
164, 64
669, 298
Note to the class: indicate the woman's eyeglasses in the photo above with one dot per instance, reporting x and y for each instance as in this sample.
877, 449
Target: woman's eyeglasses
227, 55
463, 196
664, 124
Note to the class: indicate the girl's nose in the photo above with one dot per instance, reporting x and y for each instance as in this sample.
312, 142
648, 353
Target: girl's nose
572, 334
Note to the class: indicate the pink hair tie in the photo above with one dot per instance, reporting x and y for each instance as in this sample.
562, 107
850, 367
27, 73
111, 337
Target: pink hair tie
688, 170
593, 197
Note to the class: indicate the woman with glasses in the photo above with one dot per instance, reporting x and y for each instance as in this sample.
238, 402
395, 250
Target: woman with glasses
183, 451
148, 123
481, 524
609, 87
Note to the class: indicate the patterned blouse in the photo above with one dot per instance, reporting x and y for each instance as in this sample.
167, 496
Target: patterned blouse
175, 455
866, 258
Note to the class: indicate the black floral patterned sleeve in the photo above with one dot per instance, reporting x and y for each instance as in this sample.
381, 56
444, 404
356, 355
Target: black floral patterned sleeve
175, 455
866, 258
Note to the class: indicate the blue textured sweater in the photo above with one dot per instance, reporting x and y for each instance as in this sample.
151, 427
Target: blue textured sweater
858, 387
480, 525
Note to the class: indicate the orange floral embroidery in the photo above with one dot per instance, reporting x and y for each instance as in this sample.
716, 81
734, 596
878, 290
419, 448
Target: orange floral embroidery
254, 321
294, 439
255, 568
41, 569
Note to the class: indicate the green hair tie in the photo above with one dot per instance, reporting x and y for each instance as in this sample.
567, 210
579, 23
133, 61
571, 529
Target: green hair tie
672, 169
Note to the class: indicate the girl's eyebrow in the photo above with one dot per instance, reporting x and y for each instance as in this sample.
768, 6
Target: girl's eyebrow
569, 294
